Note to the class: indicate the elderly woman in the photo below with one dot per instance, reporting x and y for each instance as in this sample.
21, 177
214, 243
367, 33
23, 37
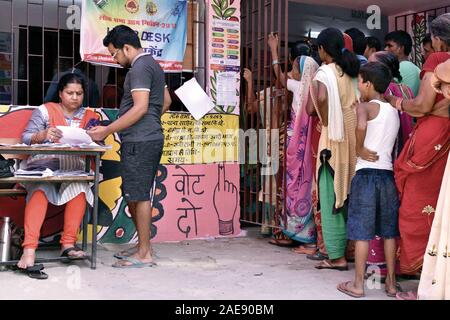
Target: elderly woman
420, 166
42, 129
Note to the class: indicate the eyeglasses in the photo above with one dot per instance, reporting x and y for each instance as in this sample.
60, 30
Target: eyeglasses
115, 53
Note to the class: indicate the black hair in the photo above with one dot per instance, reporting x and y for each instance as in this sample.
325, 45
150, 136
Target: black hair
71, 78
121, 35
401, 38
378, 74
300, 48
373, 42
332, 41
391, 61
440, 27
359, 40
427, 39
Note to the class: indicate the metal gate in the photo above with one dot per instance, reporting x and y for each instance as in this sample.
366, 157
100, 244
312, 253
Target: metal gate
418, 24
263, 123
40, 39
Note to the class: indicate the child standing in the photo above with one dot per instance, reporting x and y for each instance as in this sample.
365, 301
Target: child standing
373, 202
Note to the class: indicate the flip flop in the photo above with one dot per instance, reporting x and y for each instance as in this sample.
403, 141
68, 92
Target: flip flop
304, 250
329, 265
318, 256
135, 263
65, 253
34, 272
283, 242
128, 251
343, 287
394, 295
409, 295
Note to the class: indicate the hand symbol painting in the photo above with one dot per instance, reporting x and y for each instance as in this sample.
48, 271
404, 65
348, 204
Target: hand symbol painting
225, 201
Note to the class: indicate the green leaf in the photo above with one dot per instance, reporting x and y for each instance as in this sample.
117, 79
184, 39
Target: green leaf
218, 109
217, 2
230, 109
225, 4
229, 13
213, 82
216, 10
213, 95
221, 4
216, 17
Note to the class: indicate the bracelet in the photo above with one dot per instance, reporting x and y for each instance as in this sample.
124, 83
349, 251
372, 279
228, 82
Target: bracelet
398, 104
274, 62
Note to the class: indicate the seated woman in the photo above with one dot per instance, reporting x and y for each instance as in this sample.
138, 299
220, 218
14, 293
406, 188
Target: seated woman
41, 129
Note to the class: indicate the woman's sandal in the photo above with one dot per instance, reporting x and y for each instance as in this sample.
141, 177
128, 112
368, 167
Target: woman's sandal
34, 272
65, 253
305, 250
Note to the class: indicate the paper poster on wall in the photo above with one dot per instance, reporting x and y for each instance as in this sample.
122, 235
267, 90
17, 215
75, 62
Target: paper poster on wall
194, 98
215, 138
224, 43
160, 24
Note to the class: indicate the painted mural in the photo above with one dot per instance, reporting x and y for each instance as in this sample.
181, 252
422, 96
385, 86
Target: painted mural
188, 198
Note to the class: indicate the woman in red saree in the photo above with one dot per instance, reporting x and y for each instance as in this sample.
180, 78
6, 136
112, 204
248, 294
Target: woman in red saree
420, 166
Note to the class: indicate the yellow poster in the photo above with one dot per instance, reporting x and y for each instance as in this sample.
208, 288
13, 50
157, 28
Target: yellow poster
212, 139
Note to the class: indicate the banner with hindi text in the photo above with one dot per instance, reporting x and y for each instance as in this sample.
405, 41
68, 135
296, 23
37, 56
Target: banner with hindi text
160, 24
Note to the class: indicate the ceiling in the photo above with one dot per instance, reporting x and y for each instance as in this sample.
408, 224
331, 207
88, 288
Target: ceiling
388, 7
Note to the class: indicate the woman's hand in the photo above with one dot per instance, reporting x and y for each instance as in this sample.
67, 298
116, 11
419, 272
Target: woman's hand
273, 41
53, 134
248, 75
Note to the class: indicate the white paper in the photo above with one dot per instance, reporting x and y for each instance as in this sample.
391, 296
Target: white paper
226, 89
74, 136
194, 98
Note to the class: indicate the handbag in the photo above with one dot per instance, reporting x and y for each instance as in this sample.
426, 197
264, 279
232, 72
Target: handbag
6, 171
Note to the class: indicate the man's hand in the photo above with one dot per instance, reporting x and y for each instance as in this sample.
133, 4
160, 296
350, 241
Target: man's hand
248, 75
367, 154
99, 133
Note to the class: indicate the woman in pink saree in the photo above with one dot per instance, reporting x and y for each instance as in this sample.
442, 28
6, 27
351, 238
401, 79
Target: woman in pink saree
299, 162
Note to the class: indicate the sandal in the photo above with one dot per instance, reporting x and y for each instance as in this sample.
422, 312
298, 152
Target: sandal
66, 254
34, 272
134, 263
343, 287
327, 264
409, 295
305, 250
318, 256
282, 242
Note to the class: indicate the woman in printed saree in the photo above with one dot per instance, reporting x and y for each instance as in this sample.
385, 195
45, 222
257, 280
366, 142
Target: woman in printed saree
74, 195
333, 94
299, 167
420, 167
434, 281
376, 262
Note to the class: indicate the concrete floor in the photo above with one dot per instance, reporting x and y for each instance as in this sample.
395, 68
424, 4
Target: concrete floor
245, 267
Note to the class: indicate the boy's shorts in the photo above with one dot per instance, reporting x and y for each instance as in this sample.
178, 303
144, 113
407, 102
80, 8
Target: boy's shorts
139, 163
373, 205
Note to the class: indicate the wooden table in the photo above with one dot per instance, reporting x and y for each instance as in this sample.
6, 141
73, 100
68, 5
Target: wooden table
95, 153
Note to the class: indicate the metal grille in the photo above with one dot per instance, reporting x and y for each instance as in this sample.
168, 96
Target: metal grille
37, 45
261, 195
417, 26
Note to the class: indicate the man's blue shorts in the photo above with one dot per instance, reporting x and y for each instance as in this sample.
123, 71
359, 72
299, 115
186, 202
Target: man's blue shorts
373, 205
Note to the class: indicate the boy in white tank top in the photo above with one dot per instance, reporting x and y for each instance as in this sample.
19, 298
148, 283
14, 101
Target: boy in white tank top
373, 200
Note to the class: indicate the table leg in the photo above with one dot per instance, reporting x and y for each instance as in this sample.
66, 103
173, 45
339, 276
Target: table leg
85, 217
95, 213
